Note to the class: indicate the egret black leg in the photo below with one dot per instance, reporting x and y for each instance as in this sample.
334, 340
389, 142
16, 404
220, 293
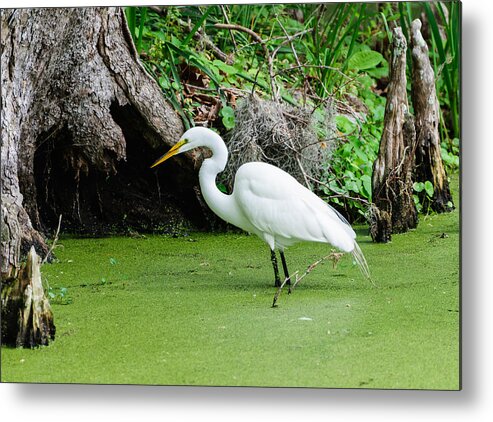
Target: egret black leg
273, 259
285, 267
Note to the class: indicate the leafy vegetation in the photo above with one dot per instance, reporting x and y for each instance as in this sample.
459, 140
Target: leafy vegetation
419, 187
207, 57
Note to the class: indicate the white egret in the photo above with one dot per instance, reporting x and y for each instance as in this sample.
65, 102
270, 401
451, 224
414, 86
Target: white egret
267, 201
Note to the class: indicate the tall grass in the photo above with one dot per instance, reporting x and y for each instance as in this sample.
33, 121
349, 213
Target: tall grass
334, 29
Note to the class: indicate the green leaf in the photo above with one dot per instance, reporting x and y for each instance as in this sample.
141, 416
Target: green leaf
379, 72
226, 68
222, 187
361, 155
429, 188
365, 60
379, 113
143, 18
419, 207
228, 117
164, 82
418, 186
351, 185
131, 14
344, 124
334, 186
158, 35
366, 180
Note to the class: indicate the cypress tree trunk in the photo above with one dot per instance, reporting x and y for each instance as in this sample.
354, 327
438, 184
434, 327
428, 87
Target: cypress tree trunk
429, 166
81, 123
393, 209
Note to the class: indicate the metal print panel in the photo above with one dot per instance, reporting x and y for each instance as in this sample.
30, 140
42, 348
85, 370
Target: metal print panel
260, 195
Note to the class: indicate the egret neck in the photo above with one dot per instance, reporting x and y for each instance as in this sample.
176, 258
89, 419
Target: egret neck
221, 204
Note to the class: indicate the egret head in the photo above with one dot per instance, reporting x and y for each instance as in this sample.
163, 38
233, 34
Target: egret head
192, 138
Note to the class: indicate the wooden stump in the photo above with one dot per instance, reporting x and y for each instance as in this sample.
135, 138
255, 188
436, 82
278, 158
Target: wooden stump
393, 209
429, 166
27, 319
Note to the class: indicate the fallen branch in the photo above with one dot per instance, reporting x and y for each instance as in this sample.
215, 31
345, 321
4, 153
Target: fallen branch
333, 256
235, 27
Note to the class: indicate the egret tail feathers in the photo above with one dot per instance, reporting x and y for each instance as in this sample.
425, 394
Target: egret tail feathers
361, 261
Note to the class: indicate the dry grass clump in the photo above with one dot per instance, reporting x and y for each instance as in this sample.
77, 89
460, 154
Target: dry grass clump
282, 135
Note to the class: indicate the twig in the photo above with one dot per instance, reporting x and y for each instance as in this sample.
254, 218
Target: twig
303, 172
221, 55
54, 241
276, 50
334, 256
308, 271
295, 54
290, 40
276, 296
339, 195
248, 31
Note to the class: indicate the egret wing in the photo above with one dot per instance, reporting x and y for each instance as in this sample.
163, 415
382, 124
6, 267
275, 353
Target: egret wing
276, 204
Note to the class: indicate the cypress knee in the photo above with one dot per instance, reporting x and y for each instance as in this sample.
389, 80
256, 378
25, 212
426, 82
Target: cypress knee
393, 209
429, 165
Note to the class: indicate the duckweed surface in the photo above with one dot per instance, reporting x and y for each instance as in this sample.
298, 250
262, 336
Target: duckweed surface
196, 310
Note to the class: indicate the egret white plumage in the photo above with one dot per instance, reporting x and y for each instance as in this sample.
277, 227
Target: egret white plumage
268, 202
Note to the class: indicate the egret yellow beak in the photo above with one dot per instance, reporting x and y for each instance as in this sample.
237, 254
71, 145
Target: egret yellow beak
175, 149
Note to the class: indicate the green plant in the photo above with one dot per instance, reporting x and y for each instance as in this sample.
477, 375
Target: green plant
349, 172
334, 29
310, 53
59, 295
422, 200
228, 117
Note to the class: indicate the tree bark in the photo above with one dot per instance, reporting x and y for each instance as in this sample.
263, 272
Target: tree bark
429, 166
81, 122
393, 209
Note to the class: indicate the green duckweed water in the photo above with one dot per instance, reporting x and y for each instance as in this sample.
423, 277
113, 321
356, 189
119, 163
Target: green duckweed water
197, 310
